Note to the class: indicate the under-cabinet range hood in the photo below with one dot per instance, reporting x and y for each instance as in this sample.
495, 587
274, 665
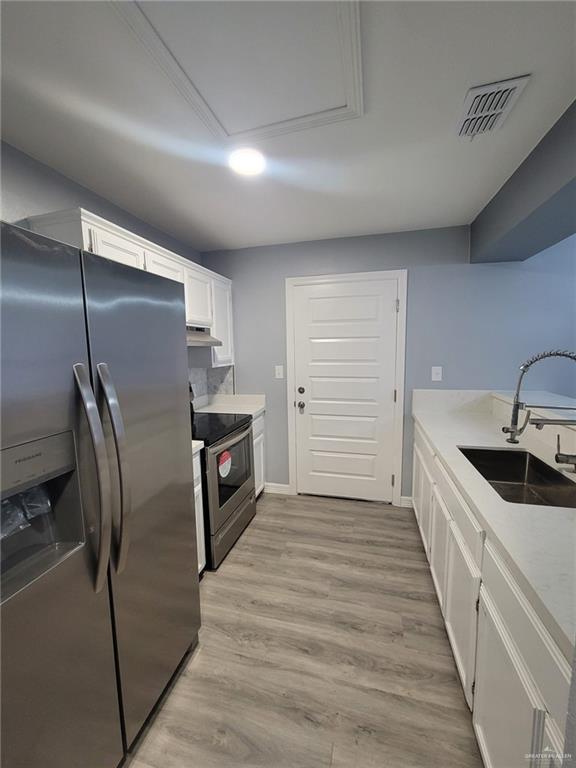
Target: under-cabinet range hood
200, 337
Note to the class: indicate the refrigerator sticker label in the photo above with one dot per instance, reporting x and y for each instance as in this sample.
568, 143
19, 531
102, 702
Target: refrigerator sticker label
224, 463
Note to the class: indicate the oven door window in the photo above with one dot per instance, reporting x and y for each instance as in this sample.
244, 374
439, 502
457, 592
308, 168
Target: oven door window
233, 467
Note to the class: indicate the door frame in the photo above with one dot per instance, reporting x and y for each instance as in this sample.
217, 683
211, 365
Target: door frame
401, 276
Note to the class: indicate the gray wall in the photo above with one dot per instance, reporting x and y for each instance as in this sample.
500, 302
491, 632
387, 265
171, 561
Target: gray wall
535, 207
30, 188
478, 321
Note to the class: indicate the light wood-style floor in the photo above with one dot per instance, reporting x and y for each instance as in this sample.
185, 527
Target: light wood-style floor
322, 646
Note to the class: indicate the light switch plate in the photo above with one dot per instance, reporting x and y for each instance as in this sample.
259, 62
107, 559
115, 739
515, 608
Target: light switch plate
436, 373
279, 371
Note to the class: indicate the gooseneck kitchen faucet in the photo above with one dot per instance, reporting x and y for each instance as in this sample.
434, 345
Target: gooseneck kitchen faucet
514, 430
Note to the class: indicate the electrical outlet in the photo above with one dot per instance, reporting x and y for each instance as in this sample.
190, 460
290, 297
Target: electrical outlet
436, 373
279, 371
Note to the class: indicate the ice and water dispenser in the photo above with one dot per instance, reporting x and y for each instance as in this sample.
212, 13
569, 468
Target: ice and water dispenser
41, 516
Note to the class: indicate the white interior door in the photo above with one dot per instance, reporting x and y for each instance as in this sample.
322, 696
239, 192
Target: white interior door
345, 353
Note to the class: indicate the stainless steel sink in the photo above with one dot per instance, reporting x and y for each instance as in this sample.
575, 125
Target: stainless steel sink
521, 477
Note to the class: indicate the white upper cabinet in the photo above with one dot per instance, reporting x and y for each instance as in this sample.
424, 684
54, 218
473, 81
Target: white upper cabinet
116, 247
222, 325
208, 295
164, 266
198, 290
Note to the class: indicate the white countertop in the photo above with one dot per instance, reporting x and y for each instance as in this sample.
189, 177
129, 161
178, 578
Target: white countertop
197, 446
538, 543
255, 405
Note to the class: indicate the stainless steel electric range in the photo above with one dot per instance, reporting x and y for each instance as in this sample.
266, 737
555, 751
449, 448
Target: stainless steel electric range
228, 482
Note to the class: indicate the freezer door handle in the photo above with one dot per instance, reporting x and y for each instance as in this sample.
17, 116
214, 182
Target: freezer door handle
103, 473
119, 432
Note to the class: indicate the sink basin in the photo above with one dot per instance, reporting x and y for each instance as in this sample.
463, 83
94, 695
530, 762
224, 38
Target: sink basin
521, 477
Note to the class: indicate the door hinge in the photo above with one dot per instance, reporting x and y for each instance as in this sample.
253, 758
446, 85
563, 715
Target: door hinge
397, 305
393, 480
473, 687
477, 604
395, 395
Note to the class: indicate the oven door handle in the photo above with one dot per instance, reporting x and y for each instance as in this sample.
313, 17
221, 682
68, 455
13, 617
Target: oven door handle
220, 446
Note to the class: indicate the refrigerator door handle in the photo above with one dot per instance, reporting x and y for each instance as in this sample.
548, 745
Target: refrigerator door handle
103, 473
119, 432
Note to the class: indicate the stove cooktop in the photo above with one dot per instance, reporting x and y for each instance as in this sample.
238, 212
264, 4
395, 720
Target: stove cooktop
211, 427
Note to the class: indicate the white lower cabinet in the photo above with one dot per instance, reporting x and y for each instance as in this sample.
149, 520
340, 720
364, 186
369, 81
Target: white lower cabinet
259, 453
439, 531
426, 485
417, 469
462, 590
199, 512
509, 716
515, 678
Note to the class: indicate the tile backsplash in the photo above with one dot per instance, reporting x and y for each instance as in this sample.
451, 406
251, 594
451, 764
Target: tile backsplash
206, 380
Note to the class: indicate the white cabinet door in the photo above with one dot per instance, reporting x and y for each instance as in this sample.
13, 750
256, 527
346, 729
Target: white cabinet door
417, 469
426, 508
161, 265
508, 716
198, 288
439, 531
462, 589
201, 544
115, 247
222, 323
259, 463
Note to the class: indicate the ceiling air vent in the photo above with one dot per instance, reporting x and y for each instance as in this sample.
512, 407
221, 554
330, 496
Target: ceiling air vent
487, 106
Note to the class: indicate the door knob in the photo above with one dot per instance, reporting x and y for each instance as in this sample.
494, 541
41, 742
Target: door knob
301, 390
301, 405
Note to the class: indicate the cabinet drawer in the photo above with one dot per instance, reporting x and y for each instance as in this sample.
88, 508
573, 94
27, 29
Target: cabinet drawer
460, 512
197, 469
258, 425
547, 665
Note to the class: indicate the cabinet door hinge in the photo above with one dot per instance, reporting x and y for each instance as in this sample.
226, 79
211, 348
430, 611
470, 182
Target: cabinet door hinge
395, 395
473, 687
397, 305
393, 480
477, 604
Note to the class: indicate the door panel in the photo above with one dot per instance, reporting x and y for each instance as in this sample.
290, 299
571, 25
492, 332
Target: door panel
440, 527
462, 589
136, 326
259, 464
161, 265
198, 298
59, 694
117, 248
222, 325
345, 353
503, 686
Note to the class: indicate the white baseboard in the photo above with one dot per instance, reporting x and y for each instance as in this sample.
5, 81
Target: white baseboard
405, 501
278, 488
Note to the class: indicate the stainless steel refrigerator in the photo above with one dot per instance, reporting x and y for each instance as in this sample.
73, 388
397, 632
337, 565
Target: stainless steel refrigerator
99, 579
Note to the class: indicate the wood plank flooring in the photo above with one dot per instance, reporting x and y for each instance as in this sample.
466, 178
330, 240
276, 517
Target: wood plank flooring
322, 646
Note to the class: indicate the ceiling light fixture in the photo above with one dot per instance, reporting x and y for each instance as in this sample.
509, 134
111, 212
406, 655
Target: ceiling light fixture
247, 162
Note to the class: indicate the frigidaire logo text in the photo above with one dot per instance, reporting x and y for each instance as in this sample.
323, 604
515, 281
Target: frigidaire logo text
28, 458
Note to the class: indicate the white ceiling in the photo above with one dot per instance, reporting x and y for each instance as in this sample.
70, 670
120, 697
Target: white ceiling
356, 112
